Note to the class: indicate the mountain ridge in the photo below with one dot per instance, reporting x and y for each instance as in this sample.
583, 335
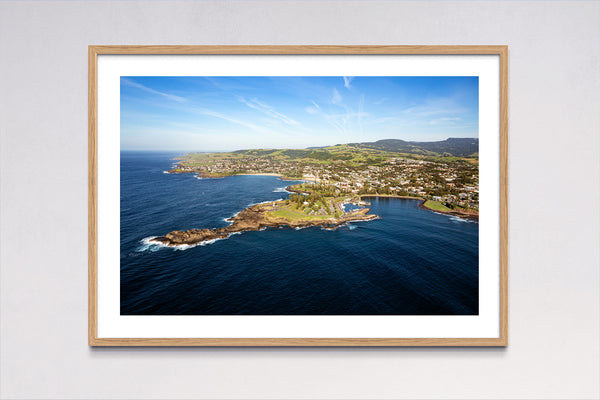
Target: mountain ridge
458, 147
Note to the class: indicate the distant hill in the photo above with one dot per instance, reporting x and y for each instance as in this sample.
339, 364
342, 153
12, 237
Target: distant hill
458, 147
368, 152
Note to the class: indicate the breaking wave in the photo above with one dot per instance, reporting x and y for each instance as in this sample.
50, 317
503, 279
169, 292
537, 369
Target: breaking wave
148, 245
454, 218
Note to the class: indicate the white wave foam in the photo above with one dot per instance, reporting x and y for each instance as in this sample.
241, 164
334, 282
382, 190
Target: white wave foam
281, 190
189, 246
230, 219
166, 172
334, 228
330, 228
455, 218
364, 220
148, 245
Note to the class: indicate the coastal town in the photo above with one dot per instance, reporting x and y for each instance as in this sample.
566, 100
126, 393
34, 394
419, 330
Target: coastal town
447, 183
335, 186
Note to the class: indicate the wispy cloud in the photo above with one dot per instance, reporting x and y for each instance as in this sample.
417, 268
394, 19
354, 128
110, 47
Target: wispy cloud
340, 121
314, 109
249, 125
134, 84
336, 97
246, 112
268, 110
347, 81
331, 119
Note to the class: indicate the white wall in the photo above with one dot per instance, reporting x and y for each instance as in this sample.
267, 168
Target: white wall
554, 203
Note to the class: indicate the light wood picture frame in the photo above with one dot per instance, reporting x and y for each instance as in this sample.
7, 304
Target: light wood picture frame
100, 256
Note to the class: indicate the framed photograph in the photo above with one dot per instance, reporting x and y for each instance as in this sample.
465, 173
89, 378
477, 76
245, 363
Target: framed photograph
298, 196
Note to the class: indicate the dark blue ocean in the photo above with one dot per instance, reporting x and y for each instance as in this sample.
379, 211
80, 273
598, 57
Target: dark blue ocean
408, 262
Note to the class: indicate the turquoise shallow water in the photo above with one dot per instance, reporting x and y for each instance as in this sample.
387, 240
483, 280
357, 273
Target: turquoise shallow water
408, 262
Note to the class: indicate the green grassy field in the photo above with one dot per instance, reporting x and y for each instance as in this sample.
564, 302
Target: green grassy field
290, 213
436, 205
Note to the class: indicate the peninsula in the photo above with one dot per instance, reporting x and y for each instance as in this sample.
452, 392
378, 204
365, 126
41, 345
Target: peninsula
271, 215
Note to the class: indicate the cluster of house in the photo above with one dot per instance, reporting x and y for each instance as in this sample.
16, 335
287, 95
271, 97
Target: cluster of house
434, 180
400, 176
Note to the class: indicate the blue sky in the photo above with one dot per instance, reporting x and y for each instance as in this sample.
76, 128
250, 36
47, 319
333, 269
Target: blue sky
232, 113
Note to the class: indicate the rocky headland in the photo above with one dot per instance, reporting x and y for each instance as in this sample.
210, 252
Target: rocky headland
255, 218
467, 214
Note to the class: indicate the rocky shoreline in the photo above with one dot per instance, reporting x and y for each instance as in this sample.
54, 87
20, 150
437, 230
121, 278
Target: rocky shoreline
460, 214
254, 218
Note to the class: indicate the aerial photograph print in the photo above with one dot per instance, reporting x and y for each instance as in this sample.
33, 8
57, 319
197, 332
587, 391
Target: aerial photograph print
299, 195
